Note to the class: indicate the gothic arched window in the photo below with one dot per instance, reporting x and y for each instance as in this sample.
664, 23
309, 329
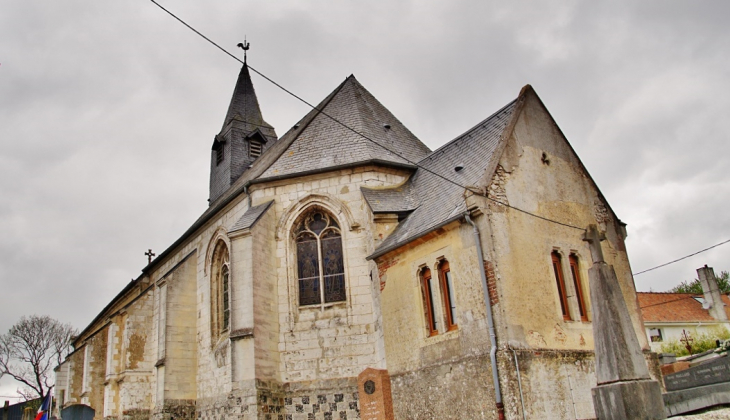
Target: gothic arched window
320, 267
220, 289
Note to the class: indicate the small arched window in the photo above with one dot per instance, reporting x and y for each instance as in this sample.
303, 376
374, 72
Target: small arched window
220, 289
320, 267
558, 271
429, 312
575, 272
447, 291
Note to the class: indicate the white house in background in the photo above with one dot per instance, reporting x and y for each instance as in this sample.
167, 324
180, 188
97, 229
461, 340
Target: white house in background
667, 315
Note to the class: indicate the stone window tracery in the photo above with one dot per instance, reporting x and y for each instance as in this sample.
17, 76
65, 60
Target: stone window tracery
220, 290
320, 266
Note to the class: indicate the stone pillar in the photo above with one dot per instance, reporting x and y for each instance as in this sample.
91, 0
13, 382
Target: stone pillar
711, 291
625, 389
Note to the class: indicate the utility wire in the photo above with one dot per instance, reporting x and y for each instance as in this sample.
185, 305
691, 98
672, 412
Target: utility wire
669, 301
680, 259
476, 192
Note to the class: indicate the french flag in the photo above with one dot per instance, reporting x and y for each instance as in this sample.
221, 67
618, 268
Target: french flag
45, 407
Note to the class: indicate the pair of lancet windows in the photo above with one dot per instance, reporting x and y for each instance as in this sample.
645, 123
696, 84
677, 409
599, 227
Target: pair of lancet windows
574, 272
439, 305
320, 266
220, 289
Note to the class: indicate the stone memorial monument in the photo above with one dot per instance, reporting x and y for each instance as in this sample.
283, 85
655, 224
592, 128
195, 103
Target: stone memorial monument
376, 401
625, 390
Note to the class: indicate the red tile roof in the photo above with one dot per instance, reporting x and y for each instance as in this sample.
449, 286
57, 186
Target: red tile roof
674, 307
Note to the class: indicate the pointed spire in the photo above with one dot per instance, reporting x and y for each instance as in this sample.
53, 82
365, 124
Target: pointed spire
244, 105
242, 139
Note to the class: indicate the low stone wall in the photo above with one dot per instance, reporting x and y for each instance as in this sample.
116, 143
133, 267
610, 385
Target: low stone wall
555, 383
461, 389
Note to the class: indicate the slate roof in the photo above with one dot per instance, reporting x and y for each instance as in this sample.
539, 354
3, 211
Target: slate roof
324, 143
675, 307
251, 216
434, 200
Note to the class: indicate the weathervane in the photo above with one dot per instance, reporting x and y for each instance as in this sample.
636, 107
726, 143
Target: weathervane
245, 45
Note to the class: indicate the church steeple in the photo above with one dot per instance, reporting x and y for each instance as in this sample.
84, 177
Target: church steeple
242, 139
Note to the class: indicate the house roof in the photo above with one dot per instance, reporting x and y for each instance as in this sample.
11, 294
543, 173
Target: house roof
433, 199
675, 307
325, 143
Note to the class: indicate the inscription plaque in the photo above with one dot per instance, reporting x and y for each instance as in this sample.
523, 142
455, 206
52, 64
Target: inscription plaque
708, 373
376, 401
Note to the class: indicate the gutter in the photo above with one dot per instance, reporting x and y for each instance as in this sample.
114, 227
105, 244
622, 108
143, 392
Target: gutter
490, 321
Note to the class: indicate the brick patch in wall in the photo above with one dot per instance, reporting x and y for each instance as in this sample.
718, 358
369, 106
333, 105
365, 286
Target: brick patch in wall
383, 268
491, 282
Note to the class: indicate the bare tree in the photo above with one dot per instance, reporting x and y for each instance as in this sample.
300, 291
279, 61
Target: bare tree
31, 349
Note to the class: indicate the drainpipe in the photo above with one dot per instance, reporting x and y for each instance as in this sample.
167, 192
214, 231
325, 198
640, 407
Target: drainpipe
490, 321
519, 382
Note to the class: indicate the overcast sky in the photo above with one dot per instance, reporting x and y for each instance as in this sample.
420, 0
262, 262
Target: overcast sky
109, 108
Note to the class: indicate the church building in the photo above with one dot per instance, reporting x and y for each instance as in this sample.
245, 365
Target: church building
345, 244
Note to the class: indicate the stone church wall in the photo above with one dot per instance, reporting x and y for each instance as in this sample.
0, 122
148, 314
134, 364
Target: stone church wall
341, 340
538, 159
265, 326
446, 375
95, 372
138, 358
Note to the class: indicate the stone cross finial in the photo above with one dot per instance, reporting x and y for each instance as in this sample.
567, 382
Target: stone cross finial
149, 255
594, 238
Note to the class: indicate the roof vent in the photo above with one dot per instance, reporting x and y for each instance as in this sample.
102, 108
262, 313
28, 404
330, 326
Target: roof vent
459, 167
387, 126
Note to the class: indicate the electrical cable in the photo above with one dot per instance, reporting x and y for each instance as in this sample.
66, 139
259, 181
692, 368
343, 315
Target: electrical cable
669, 301
680, 259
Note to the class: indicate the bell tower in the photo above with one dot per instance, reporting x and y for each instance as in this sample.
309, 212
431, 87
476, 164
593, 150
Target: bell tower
244, 136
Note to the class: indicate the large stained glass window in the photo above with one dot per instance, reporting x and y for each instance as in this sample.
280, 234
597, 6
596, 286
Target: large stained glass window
320, 269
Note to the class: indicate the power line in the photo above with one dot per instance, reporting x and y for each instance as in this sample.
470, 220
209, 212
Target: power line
666, 302
680, 259
479, 193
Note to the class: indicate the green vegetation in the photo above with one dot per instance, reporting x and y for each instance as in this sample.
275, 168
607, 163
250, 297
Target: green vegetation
702, 342
723, 283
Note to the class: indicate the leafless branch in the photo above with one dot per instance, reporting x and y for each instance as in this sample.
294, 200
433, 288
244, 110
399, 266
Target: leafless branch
31, 349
